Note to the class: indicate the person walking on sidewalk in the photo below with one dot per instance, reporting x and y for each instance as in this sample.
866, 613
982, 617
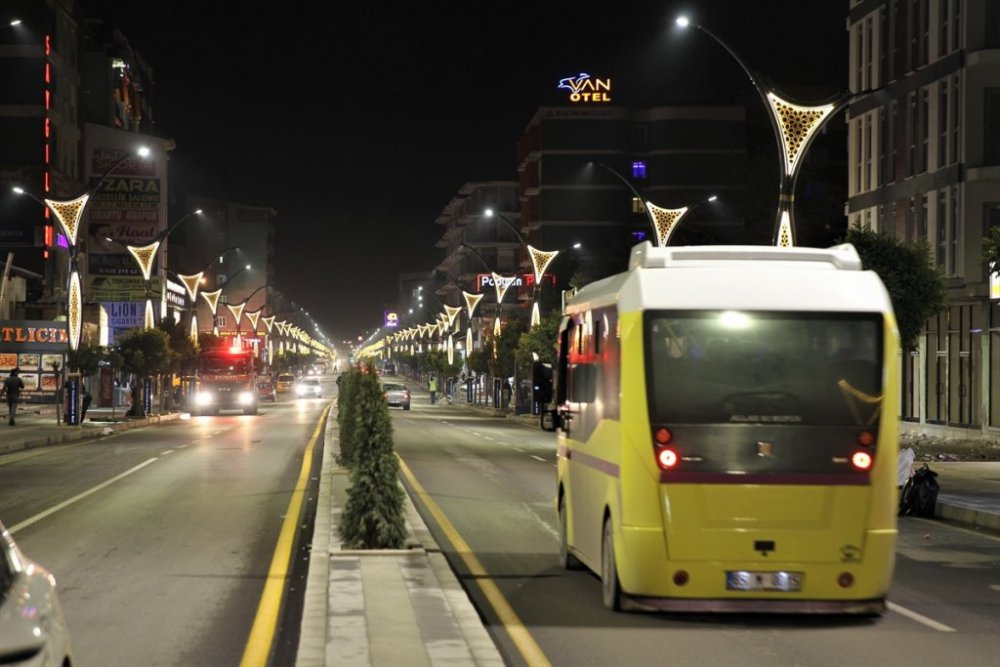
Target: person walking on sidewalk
12, 387
433, 387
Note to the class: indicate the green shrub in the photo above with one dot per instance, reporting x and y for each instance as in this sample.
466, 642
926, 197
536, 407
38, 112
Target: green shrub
373, 517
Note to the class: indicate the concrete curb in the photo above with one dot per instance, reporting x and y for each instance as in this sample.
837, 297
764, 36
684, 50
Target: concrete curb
74, 433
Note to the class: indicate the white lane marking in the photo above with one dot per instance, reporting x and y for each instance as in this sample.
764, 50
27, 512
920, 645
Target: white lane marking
78, 497
920, 618
169, 451
537, 458
518, 449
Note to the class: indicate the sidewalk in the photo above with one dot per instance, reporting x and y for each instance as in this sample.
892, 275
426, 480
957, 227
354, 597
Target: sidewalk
37, 426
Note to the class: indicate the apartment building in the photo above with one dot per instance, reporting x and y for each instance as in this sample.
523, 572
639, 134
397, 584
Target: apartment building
924, 163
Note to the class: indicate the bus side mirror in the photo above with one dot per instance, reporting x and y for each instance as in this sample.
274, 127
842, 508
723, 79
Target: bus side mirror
541, 382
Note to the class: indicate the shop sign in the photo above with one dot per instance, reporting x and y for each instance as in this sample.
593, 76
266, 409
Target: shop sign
125, 314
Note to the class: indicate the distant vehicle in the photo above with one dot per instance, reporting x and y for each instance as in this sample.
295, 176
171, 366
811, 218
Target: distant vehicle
34, 629
308, 387
396, 395
389, 369
266, 391
727, 431
285, 382
226, 380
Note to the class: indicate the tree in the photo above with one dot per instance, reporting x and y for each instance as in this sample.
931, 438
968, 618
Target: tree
145, 352
915, 284
184, 350
540, 342
373, 516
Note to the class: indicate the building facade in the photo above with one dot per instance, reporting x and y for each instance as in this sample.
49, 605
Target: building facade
924, 164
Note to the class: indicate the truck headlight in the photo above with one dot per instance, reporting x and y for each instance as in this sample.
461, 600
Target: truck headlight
204, 398
246, 397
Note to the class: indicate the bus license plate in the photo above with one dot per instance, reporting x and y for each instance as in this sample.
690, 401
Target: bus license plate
742, 580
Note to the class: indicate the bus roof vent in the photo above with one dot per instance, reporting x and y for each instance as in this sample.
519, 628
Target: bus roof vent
647, 256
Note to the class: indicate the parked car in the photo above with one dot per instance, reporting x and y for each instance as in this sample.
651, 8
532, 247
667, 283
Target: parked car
285, 382
34, 629
308, 387
266, 391
396, 395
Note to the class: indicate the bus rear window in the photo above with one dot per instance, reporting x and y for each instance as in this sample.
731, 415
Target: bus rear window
730, 367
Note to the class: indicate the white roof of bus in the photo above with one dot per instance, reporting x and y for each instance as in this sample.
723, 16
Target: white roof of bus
744, 277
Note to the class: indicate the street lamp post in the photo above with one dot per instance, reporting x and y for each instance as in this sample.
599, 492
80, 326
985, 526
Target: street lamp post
794, 126
540, 260
69, 213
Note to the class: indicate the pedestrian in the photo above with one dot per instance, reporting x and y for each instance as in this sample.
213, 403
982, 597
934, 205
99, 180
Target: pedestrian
433, 386
12, 387
87, 399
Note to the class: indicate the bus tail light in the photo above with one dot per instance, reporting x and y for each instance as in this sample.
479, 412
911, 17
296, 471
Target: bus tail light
662, 436
866, 438
667, 458
861, 460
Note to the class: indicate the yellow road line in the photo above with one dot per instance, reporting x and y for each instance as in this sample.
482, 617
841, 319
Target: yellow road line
258, 647
525, 643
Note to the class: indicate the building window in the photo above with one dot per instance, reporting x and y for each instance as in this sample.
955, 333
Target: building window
942, 158
859, 155
881, 219
639, 169
922, 220
911, 133
638, 206
869, 55
944, 14
955, 226
857, 37
869, 150
883, 141
956, 124
991, 126
891, 166
925, 132
911, 222
640, 137
942, 228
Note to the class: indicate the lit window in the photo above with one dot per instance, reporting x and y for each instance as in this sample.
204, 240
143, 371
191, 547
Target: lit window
639, 169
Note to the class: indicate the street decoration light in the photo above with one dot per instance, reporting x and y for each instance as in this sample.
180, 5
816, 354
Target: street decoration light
471, 301
540, 260
794, 126
69, 213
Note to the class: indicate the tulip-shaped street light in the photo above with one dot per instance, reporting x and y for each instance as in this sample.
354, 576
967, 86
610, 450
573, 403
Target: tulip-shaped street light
69, 213
540, 260
500, 283
794, 126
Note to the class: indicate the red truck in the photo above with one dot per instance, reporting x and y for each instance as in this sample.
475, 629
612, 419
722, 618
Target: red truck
226, 380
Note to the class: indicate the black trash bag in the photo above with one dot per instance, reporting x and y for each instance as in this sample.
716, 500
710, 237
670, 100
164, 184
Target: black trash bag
919, 494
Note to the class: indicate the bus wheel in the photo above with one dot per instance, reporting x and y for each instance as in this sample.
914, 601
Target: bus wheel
566, 559
610, 587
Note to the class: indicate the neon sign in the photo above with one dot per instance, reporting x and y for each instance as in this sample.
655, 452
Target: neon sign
583, 88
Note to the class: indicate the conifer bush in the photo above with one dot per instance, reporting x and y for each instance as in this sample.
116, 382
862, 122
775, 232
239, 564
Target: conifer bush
347, 416
373, 516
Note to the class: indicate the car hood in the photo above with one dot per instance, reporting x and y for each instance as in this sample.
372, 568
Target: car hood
34, 630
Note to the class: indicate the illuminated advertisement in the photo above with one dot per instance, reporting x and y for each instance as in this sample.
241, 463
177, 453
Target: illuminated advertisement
994, 283
391, 319
585, 88
129, 207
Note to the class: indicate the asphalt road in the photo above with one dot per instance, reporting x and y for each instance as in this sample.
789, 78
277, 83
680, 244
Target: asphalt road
161, 538
495, 482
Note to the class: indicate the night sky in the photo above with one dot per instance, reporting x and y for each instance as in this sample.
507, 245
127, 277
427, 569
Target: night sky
359, 122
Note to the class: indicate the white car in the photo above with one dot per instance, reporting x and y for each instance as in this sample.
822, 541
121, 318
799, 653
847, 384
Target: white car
308, 387
32, 628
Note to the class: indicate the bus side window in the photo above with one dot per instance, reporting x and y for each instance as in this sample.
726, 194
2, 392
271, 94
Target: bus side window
583, 383
562, 368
